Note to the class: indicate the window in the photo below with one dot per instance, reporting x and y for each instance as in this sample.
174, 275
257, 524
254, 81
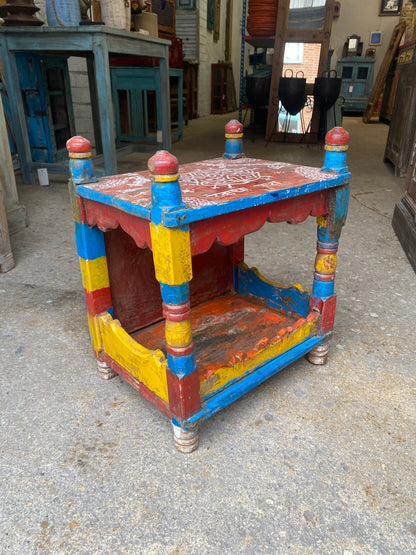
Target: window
293, 53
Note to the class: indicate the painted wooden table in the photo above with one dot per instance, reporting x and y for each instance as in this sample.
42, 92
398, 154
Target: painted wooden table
172, 307
95, 43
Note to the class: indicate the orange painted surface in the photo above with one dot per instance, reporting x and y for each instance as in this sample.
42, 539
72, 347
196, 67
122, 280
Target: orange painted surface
230, 332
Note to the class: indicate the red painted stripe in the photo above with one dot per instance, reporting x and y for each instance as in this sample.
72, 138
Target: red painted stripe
184, 396
180, 351
328, 314
177, 312
98, 301
326, 309
147, 394
324, 277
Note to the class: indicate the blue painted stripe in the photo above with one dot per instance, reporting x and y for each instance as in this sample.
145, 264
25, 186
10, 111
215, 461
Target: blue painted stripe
181, 366
175, 294
287, 299
90, 242
335, 161
258, 376
181, 216
322, 289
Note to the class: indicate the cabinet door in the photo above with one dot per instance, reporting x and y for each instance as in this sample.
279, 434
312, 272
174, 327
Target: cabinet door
410, 192
403, 121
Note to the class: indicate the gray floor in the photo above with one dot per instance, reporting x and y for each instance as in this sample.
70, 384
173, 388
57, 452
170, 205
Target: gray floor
318, 460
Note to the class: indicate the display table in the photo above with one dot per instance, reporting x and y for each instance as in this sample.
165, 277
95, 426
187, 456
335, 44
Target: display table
172, 308
95, 43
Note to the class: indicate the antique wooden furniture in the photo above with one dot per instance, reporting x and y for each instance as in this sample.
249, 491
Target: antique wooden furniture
171, 305
406, 55
137, 103
380, 80
403, 121
404, 217
222, 89
95, 43
356, 73
46, 92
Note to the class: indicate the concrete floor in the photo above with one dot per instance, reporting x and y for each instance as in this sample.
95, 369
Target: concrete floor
318, 460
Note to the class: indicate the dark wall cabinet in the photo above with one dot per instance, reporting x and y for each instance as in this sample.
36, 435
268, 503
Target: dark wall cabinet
403, 121
357, 77
404, 217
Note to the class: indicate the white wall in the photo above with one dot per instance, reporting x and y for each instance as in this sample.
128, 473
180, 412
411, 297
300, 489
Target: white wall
360, 17
210, 52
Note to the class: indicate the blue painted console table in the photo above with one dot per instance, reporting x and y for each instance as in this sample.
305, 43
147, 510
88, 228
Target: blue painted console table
95, 43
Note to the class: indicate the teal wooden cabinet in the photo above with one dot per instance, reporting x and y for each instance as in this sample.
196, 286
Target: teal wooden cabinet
137, 103
46, 92
357, 77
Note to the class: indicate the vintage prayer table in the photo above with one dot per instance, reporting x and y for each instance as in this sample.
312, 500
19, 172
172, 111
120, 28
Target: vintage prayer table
172, 308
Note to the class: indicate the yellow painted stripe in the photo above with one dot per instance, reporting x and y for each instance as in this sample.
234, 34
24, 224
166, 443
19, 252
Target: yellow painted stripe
326, 263
94, 273
222, 376
165, 178
178, 334
336, 148
149, 367
171, 254
94, 333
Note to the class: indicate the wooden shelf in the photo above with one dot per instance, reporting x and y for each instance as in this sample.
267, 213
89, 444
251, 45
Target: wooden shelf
231, 330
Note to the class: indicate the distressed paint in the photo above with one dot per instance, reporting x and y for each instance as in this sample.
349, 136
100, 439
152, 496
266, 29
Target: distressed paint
147, 366
325, 263
232, 334
171, 254
174, 294
233, 140
330, 225
249, 281
178, 334
251, 327
336, 147
98, 301
90, 241
326, 307
184, 398
80, 164
285, 340
95, 334
181, 366
94, 273
237, 389
214, 187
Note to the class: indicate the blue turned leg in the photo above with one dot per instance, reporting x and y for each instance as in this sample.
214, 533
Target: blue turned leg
234, 140
323, 297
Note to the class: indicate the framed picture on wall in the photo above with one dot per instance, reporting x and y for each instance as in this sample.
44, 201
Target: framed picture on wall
390, 7
375, 38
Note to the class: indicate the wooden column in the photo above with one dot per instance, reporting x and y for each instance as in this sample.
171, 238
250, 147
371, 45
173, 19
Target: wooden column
16, 213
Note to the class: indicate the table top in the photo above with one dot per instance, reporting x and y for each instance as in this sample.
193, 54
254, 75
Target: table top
214, 187
78, 38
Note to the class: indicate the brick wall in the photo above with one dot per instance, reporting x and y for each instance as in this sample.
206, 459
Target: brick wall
309, 65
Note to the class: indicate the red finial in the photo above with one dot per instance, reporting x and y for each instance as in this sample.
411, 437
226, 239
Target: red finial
233, 127
337, 136
78, 144
163, 163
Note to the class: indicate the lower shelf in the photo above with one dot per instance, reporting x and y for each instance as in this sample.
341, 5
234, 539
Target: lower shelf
233, 335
